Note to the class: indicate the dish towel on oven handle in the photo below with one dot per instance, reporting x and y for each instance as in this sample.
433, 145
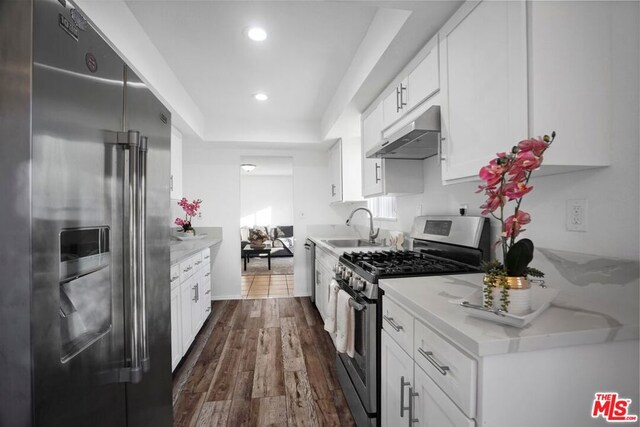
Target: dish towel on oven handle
330, 321
345, 324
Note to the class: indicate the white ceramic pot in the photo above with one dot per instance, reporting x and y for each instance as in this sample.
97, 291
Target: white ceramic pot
519, 296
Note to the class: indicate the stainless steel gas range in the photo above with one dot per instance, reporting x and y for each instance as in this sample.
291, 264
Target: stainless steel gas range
440, 245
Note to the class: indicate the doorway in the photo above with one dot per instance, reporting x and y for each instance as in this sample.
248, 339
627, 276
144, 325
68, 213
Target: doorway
266, 226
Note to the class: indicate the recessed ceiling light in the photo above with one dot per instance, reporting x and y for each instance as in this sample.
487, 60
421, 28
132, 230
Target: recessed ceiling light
248, 167
261, 96
257, 34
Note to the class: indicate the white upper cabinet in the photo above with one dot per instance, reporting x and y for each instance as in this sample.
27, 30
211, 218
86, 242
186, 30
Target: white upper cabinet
424, 80
418, 81
395, 104
570, 66
371, 168
175, 180
335, 171
511, 70
345, 171
483, 76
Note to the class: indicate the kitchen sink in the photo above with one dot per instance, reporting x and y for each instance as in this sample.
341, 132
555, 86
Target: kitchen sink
350, 243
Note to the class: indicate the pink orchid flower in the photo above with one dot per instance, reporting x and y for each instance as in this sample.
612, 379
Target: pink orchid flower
494, 201
535, 145
516, 189
525, 161
513, 224
180, 222
492, 174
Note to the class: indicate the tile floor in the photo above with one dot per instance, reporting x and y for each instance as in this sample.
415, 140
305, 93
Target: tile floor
264, 286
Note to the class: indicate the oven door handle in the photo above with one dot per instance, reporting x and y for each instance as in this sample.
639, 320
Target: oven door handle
356, 305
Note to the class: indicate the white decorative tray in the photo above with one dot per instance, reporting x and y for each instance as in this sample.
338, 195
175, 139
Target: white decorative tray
540, 300
189, 236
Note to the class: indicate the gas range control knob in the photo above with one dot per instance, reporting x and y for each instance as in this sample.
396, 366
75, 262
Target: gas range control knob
358, 284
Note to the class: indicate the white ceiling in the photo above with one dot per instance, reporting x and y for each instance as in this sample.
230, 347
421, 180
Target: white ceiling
309, 48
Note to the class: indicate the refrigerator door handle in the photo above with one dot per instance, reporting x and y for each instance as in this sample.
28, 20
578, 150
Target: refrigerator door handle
133, 142
142, 252
136, 146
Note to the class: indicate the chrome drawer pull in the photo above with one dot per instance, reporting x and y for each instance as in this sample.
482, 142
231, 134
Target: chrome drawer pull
393, 324
403, 408
207, 274
412, 394
198, 262
429, 356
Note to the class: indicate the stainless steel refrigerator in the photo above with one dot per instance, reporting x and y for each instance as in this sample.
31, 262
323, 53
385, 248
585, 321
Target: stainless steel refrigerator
84, 257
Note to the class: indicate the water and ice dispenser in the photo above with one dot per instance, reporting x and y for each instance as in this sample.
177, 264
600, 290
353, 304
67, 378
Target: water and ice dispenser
85, 288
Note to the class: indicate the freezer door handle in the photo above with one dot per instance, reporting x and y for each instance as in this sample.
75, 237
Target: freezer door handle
133, 145
136, 200
142, 251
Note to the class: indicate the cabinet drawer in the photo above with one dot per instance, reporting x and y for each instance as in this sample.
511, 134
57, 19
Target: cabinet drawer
197, 261
327, 260
450, 368
186, 269
398, 323
206, 256
174, 275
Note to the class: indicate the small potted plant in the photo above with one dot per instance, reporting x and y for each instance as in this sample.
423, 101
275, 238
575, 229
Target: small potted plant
506, 284
190, 210
257, 237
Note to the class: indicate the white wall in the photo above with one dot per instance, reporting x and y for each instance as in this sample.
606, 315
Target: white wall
212, 173
612, 193
266, 200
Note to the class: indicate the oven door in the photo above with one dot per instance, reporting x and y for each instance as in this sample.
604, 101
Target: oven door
362, 367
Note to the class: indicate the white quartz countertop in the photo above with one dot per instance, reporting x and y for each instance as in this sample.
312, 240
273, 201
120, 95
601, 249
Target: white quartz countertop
575, 317
181, 249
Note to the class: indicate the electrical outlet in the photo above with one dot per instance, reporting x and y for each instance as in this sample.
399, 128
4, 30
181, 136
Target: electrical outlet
576, 215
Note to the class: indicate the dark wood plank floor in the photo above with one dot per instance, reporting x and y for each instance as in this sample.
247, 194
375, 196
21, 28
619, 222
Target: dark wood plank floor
261, 362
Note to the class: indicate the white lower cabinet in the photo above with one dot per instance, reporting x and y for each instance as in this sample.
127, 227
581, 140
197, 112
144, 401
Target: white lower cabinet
425, 380
432, 407
176, 328
187, 296
448, 385
190, 302
396, 382
325, 262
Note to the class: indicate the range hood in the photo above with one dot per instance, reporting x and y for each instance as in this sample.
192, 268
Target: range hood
417, 140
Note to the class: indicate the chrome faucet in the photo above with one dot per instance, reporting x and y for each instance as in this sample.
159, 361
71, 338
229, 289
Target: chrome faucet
372, 234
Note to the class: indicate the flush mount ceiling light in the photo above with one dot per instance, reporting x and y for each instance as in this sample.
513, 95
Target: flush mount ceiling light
260, 96
247, 167
257, 34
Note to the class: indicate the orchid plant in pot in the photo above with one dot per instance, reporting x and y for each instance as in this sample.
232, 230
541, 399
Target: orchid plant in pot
506, 182
190, 210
